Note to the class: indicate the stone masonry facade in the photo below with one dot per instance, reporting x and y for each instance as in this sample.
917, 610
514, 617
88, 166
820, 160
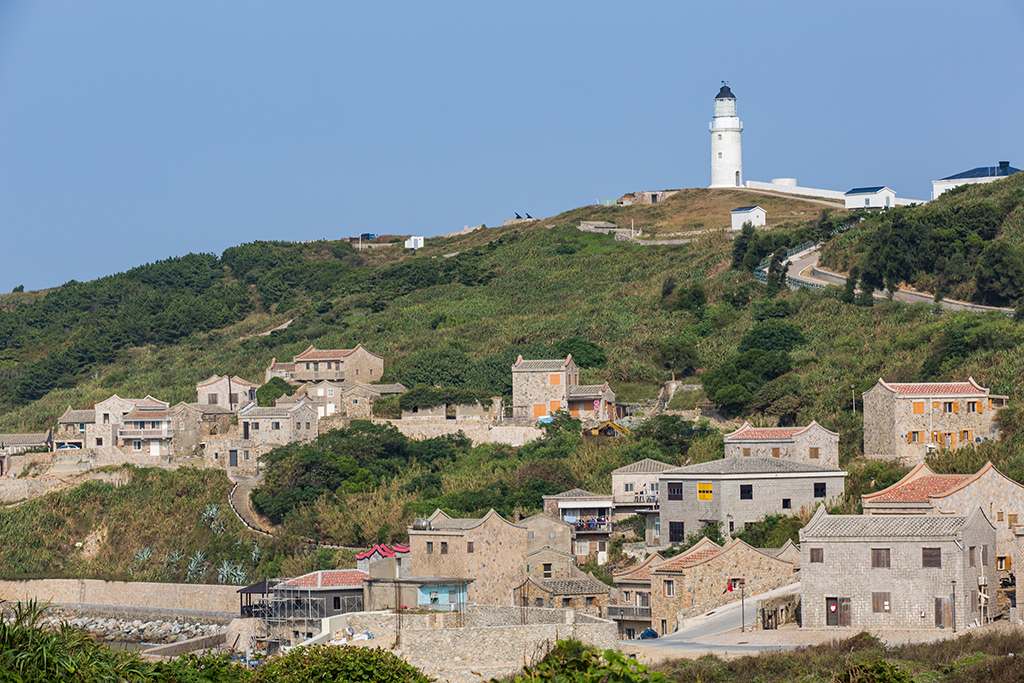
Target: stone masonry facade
812, 445
906, 421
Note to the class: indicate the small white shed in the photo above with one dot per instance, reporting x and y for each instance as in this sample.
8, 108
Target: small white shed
414, 242
870, 198
755, 215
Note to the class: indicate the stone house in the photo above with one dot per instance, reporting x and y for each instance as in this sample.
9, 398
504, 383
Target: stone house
352, 399
382, 551
591, 517
735, 491
813, 444
234, 454
230, 392
922, 492
337, 365
897, 571
192, 423
543, 387
13, 444
278, 425
545, 530
631, 603
635, 487
73, 427
909, 420
707, 575
550, 563
146, 430
110, 415
490, 550
580, 592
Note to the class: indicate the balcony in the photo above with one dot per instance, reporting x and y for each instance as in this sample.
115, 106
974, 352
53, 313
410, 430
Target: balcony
649, 499
143, 433
628, 613
599, 525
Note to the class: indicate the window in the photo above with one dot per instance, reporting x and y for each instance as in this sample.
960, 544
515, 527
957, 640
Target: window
245, 455
529, 535
469, 546
99, 441
233, 398
602, 546
787, 504
430, 547
949, 407
675, 491
732, 526
628, 487
330, 392
453, 596
719, 136
554, 380
625, 595
819, 489
566, 602
746, 452
275, 425
931, 557
984, 555
357, 372
971, 556
211, 399
630, 634
1011, 520
918, 407
914, 437
879, 558
1001, 564
704, 490
972, 406
590, 601
719, 155
879, 602
775, 452
654, 487
255, 426
538, 602
547, 570
106, 418
307, 425
81, 428
813, 454
746, 492
444, 547
817, 555
669, 588
136, 445
999, 516
337, 602
675, 532
965, 435
552, 535
216, 455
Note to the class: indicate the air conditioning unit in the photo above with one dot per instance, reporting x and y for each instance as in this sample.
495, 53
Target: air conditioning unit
982, 580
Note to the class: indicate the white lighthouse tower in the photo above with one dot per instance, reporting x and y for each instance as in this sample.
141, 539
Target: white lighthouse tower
726, 159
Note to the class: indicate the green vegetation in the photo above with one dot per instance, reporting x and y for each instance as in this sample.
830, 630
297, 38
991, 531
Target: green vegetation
573, 662
267, 395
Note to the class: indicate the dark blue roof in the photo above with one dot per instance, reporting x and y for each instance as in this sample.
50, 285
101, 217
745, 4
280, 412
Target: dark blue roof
866, 190
725, 94
986, 172
745, 208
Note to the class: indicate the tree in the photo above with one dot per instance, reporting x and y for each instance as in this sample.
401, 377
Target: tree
999, 275
741, 244
267, 395
678, 355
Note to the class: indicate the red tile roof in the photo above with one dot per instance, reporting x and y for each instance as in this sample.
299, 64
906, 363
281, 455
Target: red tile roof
919, 490
968, 388
641, 572
329, 354
384, 550
695, 555
328, 578
746, 432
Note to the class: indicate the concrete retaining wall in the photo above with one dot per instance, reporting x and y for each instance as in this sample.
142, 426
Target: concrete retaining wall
795, 189
154, 596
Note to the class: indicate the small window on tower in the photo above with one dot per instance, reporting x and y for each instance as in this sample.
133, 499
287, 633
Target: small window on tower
719, 136
719, 155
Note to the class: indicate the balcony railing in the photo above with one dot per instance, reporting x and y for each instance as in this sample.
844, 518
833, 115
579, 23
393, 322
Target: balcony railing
144, 433
637, 499
592, 525
628, 613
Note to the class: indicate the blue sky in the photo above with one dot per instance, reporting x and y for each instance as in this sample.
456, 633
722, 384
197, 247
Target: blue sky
133, 131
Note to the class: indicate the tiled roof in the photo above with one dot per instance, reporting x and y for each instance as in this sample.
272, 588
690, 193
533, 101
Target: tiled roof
329, 354
587, 390
695, 555
146, 414
277, 365
24, 439
541, 365
580, 586
253, 410
645, 466
866, 190
387, 388
890, 526
384, 550
327, 578
236, 380
749, 466
148, 402
578, 493
968, 388
919, 490
748, 433
439, 520
77, 416
641, 572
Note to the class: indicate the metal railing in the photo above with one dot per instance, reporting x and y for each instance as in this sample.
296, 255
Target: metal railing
630, 613
144, 433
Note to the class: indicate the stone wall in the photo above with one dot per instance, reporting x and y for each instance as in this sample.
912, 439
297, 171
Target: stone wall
797, 449
476, 430
217, 454
129, 593
777, 611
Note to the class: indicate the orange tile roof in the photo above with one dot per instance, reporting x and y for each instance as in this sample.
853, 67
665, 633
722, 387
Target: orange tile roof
968, 388
919, 490
767, 433
328, 578
641, 572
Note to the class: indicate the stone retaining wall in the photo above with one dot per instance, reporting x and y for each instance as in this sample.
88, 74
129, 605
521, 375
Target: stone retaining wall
477, 431
131, 593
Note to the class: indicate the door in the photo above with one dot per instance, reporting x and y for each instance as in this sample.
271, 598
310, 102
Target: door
233, 458
245, 430
154, 448
943, 613
844, 612
319, 411
832, 611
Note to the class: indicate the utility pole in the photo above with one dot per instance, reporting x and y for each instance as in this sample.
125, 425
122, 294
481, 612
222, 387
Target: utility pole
954, 605
853, 397
743, 613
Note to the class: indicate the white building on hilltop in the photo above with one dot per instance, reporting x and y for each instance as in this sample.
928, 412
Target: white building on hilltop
726, 158
982, 174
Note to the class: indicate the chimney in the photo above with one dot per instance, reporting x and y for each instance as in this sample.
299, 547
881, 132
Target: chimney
516, 516
1004, 164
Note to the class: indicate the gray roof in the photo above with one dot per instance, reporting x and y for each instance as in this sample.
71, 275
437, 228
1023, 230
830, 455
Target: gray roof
77, 416
24, 439
388, 388
645, 466
1001, 171
747, 465
890, 526
725, 93
540, 365
276, 411
581, 586
460, 524
578, 493
585, 390
866, 190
